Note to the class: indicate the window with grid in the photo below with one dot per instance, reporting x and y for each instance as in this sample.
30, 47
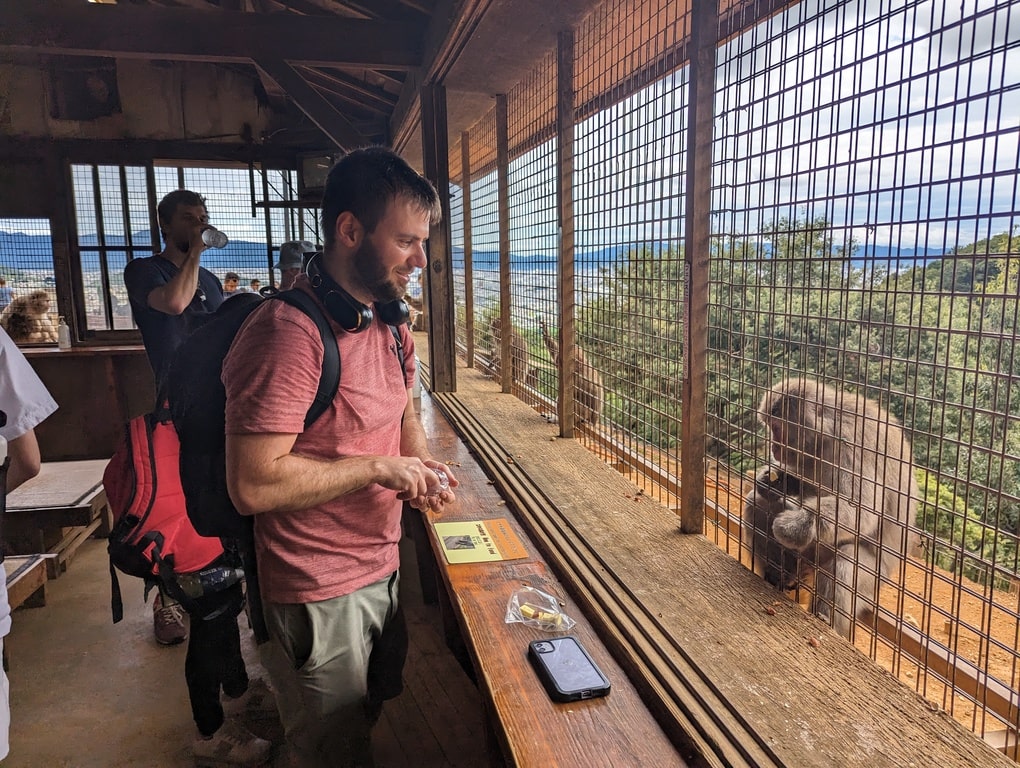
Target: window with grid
28, 298
865, 235
116, 221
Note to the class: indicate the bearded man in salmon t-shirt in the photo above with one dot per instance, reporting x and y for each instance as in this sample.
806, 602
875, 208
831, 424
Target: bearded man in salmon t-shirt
327, 498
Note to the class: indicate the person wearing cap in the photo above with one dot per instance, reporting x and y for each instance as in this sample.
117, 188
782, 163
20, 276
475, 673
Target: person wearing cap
292, 261
232, 285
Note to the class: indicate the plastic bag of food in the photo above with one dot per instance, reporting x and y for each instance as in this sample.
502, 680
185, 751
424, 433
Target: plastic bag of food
537, 609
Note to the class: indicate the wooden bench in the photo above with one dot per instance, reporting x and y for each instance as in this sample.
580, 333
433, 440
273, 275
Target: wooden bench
530, 728
57, 510
26, 580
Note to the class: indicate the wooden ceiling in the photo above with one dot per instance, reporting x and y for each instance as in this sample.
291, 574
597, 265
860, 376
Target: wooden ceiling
350, 68
334, 73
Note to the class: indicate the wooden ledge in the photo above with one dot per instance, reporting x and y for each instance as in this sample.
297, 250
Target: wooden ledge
26, 580
106, 350
690, 625
532, 730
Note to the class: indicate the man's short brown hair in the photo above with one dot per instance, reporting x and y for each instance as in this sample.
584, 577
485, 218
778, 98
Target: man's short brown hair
365, 181
168, 205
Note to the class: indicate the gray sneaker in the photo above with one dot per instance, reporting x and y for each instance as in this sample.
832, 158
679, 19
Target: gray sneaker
231, 745
257, 703
168, 622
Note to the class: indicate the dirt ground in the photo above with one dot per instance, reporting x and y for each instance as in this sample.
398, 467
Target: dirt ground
954, 615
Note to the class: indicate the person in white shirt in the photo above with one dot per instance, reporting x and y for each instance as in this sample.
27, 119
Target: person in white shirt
25, 402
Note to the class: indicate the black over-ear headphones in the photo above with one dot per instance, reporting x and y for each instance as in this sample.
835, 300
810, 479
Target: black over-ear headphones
351, 314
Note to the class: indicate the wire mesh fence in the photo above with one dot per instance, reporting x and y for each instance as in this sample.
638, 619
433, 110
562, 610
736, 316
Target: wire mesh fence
28, 297
116, 220
863, 282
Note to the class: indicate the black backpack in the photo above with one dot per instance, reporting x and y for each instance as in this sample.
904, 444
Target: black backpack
197, 403
198, 407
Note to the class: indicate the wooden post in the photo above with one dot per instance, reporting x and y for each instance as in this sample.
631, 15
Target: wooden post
700, 111
64, 239
503, 198
439, 285
469, 274
565, 208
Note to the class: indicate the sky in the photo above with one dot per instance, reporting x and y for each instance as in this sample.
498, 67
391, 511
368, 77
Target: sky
897, 122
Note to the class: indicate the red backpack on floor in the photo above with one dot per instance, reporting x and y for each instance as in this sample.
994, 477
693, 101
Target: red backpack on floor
152, 537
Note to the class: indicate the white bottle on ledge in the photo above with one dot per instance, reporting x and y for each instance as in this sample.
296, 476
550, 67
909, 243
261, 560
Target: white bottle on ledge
63, 334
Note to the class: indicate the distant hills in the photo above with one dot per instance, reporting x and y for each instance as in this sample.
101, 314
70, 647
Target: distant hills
894, 258
20, 250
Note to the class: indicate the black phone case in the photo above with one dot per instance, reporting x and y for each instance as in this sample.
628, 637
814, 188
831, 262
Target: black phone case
566, 670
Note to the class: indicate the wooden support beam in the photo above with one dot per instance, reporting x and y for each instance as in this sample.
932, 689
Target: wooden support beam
368, 97
439, 285
565, 204
183, 34
141, 151
313, 103
506, 351
698, 197
383, 9
450, 27
469, 275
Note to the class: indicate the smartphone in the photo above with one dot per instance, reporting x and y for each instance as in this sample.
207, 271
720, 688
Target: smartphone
566, 670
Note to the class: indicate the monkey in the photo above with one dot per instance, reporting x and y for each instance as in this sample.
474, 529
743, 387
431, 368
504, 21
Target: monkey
588, 389
27, 320
518, 351
840, 501
779, 566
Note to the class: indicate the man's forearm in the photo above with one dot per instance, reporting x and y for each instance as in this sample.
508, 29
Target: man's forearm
294, 482
413, 441
25, 459
173, 297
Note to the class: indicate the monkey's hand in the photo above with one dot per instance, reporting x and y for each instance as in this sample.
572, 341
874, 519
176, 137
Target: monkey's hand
775, 482
795, 527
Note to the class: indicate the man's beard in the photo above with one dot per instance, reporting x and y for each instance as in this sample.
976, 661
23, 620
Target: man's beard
373, 274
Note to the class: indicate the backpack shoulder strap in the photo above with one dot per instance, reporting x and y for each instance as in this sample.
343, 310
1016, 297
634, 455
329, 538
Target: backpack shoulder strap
400, 347
329, 379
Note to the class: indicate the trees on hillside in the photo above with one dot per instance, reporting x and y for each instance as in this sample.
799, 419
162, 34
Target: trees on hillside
933, 343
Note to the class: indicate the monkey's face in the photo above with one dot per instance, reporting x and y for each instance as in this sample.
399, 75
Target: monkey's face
794, 446
40, 305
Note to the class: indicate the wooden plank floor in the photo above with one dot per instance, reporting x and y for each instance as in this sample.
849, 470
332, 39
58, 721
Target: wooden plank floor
86, 693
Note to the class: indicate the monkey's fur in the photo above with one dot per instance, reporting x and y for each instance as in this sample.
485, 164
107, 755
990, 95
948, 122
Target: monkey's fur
27, 320
518, 351
587, 381
840, 500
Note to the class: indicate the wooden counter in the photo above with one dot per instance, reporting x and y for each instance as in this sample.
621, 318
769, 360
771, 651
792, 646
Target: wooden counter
532, 730
55, 511
97, 390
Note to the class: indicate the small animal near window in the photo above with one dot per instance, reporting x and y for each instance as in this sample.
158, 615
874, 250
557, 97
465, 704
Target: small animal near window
27, 320
588, 392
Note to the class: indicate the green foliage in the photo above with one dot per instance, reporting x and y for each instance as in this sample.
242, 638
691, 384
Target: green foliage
633, 336
933, 343
961, 541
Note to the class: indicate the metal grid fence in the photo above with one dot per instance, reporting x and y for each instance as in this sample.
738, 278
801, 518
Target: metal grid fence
863, 236
116, 220
534, 237
26, 271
